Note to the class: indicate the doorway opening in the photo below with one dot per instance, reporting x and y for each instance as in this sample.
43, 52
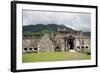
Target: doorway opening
70, 41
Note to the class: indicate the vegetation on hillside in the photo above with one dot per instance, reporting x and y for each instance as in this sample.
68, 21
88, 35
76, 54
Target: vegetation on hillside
41, 29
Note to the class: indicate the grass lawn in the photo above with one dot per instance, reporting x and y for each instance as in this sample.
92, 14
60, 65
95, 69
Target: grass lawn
53, 56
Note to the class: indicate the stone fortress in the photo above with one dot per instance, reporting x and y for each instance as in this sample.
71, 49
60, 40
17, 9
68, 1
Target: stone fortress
64, 41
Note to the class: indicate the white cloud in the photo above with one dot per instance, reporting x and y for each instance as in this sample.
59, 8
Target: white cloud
78, 21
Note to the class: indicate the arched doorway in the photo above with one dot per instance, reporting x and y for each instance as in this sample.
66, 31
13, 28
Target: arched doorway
70, 41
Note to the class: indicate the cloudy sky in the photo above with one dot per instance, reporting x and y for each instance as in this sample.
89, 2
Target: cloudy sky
77, 21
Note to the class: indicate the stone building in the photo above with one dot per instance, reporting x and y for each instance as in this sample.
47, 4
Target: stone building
45, 44
65, 40
41, 44
73, 40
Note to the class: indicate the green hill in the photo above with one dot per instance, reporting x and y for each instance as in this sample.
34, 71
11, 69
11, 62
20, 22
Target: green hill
40, 28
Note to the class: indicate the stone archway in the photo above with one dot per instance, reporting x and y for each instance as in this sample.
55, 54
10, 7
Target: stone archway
70, 41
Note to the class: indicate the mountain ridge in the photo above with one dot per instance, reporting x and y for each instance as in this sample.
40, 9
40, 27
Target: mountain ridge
41, 27
50, 28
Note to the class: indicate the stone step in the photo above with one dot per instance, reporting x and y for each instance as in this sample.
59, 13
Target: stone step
72, 51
